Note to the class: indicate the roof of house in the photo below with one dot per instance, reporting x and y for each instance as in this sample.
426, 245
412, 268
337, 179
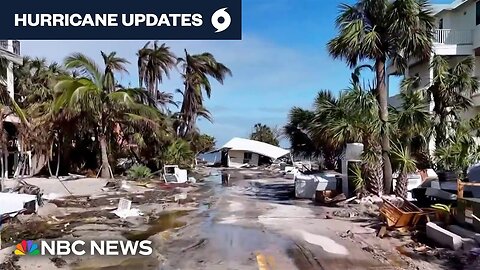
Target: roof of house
437, 8
261, 148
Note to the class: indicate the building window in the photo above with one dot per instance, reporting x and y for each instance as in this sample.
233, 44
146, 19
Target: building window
478, 12
440, 24
247, 155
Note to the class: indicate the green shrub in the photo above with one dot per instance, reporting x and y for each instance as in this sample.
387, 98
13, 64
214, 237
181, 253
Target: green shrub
139, 172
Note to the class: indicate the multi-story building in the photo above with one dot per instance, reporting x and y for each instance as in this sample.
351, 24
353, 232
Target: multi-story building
456, 36
10, 50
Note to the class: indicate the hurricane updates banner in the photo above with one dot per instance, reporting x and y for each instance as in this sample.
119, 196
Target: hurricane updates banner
121, 19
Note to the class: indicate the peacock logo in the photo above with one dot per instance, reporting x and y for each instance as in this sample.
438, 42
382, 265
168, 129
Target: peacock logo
27, 248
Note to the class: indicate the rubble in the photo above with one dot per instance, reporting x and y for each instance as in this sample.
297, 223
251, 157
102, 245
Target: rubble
443, 237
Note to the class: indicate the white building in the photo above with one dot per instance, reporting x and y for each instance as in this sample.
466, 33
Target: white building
456, 36
10, 50
238, 152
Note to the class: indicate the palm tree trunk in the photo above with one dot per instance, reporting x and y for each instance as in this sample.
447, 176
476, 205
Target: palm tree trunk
103, 149
372, 169
329, 158
401, 188
58, 159
441, 132
382, 97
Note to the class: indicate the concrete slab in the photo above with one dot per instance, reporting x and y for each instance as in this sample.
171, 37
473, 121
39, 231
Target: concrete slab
443, 236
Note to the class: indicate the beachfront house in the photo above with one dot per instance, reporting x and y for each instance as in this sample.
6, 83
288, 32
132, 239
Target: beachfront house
239, 152
456, 36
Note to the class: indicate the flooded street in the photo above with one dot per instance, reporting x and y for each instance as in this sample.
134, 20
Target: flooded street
246, 220
256, 224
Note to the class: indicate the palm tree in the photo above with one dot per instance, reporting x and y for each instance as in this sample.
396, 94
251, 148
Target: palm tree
154, 62
8, 105
405, 164
381, 30
296, 130
196, 72
113, 63
264, 133
410, 132
352, 117
451, 90
88, 96
460, 149
34, 82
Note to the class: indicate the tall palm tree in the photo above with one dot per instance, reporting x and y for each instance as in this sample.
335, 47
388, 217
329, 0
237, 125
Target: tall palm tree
451, 90
154, 62
381, 30
196, 72
34, 82
113, 63
89, 96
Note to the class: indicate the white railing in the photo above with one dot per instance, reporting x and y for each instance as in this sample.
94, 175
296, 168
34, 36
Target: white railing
450, 36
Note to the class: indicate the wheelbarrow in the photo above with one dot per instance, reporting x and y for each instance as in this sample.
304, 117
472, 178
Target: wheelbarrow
404, 215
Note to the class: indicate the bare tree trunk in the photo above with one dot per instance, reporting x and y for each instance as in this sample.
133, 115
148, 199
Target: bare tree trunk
58, 158
103, 149
49, 167
382, 97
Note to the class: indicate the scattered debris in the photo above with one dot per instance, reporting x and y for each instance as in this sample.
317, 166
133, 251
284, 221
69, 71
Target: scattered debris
443, 236
402, 215
13, 203
124, 209
10, 263
58, 262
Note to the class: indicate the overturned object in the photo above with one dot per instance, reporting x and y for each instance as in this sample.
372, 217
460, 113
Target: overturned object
306, 185
404, 215
13, 203
443, 237
173, 174
124, 209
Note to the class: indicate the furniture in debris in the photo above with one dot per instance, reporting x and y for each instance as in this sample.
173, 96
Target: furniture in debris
404, 215
173, 174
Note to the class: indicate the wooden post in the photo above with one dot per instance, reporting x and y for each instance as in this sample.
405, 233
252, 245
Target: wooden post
460, 188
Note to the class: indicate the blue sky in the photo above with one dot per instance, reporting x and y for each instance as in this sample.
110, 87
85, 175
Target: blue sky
282, 61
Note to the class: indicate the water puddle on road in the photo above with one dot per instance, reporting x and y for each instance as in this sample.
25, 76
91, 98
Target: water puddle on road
235, 241
164, 222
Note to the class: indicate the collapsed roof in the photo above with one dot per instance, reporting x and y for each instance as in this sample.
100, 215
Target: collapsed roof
261, 148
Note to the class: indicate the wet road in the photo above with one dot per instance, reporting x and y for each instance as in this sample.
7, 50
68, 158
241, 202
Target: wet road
256, 224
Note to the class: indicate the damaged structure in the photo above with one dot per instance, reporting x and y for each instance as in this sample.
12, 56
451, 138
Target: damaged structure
239, 152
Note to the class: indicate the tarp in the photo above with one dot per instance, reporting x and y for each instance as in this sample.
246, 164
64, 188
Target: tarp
264, 149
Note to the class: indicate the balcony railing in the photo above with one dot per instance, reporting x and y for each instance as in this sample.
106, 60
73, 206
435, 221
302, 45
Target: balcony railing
14, 47
453, 37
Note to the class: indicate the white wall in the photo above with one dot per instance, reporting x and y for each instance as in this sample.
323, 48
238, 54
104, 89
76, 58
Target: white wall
461, 18
423, 70
236, 158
